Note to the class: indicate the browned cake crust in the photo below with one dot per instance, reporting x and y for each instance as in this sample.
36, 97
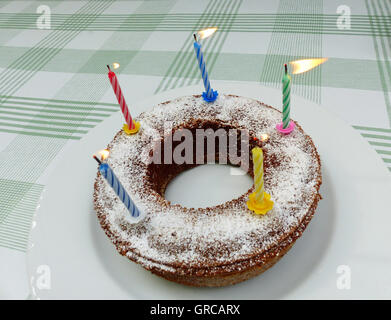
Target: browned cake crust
209, 264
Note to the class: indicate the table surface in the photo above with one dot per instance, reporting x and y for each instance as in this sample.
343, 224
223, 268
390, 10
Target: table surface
54, 85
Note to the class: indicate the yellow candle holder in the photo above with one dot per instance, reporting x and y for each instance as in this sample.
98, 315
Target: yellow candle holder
131, 131
260, 207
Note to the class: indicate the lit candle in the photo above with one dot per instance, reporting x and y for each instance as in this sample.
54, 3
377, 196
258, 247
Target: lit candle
259, 201
131, 126
287, 125
118, 188
286, 98
209, 95
258, 173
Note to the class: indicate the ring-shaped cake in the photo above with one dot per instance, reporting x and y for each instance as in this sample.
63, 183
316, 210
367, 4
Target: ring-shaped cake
220, 245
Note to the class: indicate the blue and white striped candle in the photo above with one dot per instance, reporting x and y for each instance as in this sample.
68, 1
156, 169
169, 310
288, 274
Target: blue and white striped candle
118, 188
209, 95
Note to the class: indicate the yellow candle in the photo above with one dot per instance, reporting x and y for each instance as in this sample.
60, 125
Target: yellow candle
259, 201
258, 173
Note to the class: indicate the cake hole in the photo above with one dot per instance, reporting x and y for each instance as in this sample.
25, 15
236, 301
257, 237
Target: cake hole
208, 185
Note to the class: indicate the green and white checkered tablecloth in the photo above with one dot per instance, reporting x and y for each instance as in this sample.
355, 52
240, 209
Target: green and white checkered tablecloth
54, 87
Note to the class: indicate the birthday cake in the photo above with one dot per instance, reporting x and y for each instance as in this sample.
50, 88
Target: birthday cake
220, 245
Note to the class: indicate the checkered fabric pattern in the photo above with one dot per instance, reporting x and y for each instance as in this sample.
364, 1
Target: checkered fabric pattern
54, 86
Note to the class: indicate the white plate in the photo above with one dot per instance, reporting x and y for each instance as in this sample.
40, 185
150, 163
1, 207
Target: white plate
70, 256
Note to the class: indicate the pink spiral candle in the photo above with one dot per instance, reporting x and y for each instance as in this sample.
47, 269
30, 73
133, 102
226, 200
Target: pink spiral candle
121, 99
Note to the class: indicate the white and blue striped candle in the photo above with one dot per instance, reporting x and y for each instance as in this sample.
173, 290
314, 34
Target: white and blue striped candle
209, 95
118, 188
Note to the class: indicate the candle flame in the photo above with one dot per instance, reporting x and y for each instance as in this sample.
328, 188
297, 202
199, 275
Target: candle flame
116, 65
206, 32
264, 137
104, 154
304, 65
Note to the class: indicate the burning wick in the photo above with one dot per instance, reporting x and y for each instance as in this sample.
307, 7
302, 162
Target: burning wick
97, 160
104, 154
116, 65
264, 137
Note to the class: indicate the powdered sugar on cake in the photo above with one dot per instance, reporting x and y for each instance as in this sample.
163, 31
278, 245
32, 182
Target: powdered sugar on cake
172, 236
